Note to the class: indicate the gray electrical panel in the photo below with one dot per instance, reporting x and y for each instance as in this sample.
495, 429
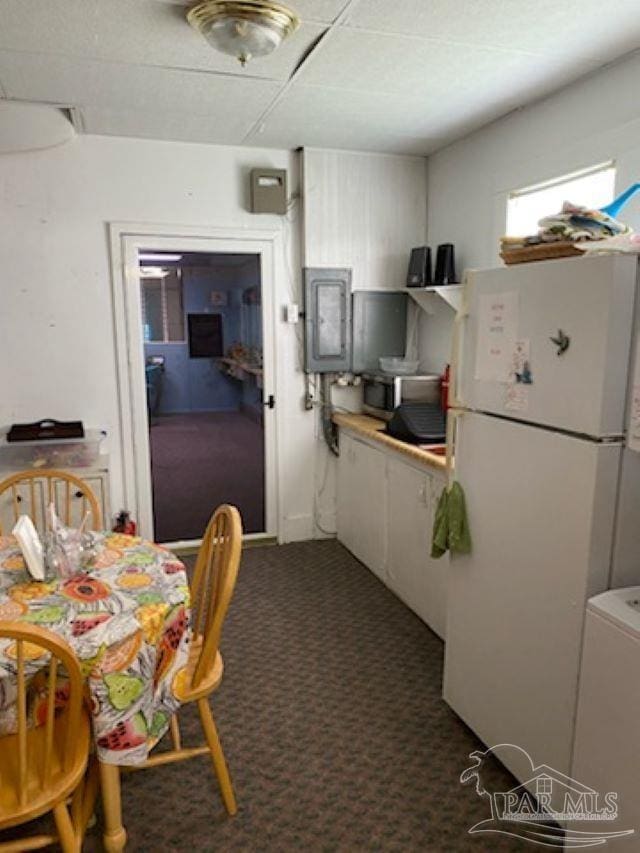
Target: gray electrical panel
327, 306
379, 327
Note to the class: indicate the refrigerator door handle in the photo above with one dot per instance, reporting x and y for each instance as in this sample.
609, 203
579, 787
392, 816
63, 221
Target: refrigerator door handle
453, 416
456, 343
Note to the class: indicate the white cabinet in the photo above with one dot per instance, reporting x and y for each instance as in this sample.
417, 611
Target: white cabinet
418, 579
361, 502
386, 507
96, 477
98, 482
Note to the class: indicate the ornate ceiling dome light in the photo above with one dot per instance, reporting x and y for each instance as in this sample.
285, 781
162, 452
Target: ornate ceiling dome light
244, 28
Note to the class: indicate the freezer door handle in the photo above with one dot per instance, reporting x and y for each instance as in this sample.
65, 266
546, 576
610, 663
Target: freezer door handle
455, 361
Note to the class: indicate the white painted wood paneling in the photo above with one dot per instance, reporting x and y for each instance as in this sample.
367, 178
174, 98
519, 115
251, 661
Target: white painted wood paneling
364, 211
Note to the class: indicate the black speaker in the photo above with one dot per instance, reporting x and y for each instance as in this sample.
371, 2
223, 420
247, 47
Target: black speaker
419, 274
446, 264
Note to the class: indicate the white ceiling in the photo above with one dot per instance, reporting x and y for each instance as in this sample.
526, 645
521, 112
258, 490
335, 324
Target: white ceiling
387, 75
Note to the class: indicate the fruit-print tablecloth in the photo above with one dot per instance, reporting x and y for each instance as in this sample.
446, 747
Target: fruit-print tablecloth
127, 619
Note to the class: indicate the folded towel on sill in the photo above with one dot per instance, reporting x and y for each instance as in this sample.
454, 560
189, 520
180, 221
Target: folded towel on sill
451, 527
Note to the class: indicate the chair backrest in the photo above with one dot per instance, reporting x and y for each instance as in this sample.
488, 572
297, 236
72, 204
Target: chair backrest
31, 492
213, 583
29, 645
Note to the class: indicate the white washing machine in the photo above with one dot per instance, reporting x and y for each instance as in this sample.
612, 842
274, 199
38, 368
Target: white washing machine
606, 753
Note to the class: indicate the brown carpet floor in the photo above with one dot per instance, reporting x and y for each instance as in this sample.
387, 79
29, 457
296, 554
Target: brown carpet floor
332, 723
200, 460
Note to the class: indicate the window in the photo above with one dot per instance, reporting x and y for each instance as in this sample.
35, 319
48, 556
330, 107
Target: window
162, 312
591, 188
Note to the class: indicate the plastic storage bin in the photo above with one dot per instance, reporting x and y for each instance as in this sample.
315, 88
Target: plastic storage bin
52, 453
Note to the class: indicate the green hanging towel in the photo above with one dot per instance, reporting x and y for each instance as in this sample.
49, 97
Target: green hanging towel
451, 527
459, 536
440, 539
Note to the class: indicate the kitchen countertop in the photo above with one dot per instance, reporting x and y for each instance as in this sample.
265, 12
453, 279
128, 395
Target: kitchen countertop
373, 428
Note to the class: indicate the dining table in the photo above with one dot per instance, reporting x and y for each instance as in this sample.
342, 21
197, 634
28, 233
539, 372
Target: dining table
126, 615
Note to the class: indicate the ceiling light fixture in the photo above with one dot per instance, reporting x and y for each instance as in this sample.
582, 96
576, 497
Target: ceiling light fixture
245, 28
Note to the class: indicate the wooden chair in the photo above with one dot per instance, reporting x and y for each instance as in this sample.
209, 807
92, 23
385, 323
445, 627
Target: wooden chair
62, 489
213, 584
41, 767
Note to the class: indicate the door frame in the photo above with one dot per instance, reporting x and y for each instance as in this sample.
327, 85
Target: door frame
125, 240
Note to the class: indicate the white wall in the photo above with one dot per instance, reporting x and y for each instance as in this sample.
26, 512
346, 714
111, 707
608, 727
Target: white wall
363, 211
589, 122
56, 326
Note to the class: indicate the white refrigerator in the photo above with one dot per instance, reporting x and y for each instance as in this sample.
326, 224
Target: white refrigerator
544, 430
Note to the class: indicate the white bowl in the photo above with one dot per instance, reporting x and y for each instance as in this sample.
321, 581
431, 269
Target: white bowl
398, 366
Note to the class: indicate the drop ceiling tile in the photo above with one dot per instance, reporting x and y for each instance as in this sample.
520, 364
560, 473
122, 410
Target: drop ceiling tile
144, 32
321, 117
425, 116
325, 11
589, 29
365, 61
348, 139
55, 79
169, 126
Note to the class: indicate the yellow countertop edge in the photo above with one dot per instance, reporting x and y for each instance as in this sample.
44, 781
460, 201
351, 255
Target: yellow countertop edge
371, 428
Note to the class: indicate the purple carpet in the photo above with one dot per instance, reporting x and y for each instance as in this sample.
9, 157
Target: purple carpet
200, 460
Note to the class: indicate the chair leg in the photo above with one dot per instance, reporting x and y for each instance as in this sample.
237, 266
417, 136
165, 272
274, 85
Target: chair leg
115, 836
68, 838
217, 756
89, 796
175, 733
76, 808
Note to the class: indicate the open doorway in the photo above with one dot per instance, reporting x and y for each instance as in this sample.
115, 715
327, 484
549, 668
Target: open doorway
202, 328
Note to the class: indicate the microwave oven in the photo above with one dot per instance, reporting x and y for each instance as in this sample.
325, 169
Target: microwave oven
383, 393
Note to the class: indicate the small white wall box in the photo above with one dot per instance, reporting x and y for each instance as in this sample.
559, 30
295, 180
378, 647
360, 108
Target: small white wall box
269, 191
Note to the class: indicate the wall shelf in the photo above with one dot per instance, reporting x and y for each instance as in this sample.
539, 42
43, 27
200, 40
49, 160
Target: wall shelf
426, 296
240, 370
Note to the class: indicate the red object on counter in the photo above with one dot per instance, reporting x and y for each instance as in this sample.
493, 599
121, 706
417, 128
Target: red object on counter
125, 524
444, 389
